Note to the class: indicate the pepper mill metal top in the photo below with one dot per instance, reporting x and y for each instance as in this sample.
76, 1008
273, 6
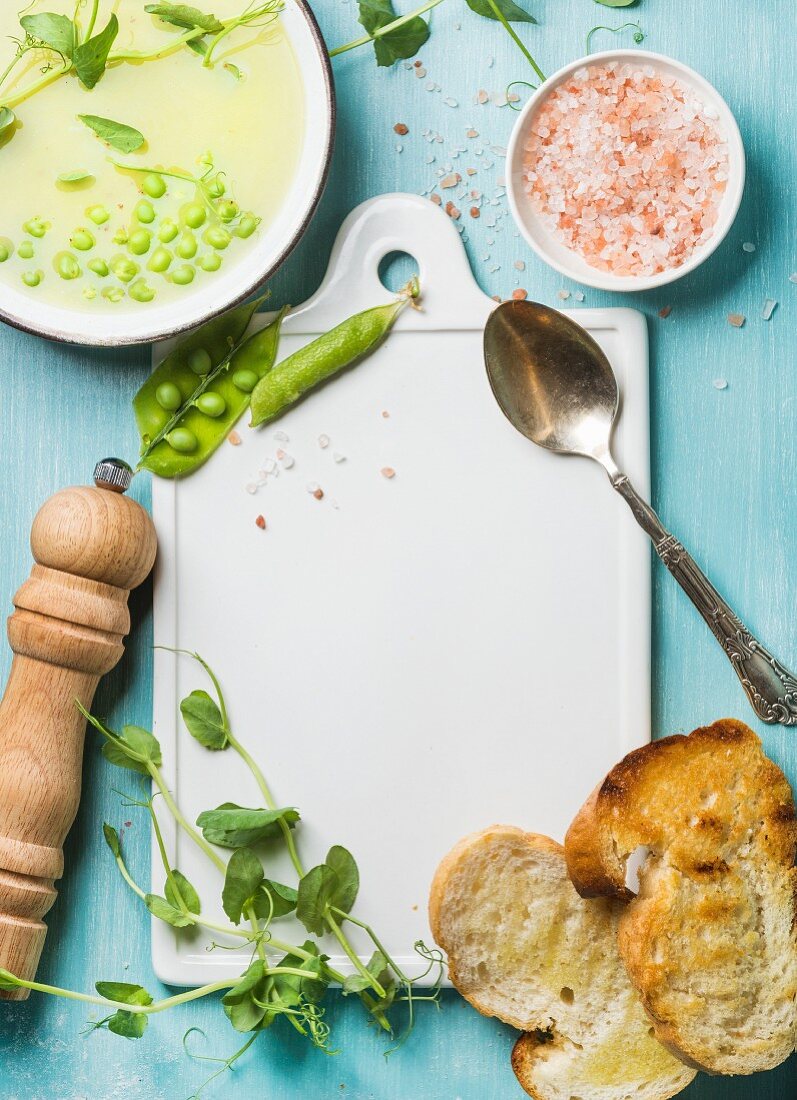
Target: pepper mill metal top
113, 474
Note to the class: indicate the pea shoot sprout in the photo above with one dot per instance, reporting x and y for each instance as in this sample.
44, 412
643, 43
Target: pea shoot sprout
283, 979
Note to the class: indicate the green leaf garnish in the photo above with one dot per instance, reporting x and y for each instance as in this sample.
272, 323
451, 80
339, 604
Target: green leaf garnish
187, 894
90, 58
508, 9
130, 1025
7, 121
274, 900
75, 177
244, 1004
163, 910
241, 882
334, 883
204, 721
183, 15
112, 840
56, 31
116, 134
232, 826
404, 41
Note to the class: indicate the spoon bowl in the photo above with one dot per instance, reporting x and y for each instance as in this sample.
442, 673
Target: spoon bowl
556, 386
551, 379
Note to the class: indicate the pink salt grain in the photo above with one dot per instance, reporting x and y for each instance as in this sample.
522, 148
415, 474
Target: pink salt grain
626, 167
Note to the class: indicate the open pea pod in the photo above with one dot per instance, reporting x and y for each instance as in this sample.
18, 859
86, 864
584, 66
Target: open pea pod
186, 408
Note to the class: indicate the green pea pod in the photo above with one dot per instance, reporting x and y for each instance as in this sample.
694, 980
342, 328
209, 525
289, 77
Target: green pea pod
205, 371
331, 353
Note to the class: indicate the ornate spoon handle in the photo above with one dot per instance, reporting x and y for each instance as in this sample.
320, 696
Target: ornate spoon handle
771, 688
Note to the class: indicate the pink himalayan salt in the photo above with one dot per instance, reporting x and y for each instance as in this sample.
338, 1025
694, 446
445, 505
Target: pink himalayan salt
626, 167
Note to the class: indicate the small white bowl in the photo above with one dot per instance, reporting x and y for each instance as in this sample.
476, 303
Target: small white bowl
564, 259
236, 281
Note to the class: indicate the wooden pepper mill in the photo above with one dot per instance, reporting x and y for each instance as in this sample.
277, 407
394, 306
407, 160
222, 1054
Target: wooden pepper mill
91, 546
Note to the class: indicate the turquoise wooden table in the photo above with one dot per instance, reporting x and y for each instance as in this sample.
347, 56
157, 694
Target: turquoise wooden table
724, 402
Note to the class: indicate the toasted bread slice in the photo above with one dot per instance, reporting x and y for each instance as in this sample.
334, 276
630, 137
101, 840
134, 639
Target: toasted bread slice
710, 942
523, 946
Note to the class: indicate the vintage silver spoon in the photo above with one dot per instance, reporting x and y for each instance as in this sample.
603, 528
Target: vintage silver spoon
557, 387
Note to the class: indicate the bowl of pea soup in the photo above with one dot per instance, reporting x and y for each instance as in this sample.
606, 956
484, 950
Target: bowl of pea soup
161, 160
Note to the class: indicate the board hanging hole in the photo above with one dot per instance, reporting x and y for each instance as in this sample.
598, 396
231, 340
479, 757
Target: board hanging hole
396, 269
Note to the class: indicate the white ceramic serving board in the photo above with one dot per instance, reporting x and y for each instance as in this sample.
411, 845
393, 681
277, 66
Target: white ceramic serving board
464, 644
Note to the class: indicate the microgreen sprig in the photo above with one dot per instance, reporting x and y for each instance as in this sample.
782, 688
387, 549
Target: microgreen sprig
64, 46
283, 979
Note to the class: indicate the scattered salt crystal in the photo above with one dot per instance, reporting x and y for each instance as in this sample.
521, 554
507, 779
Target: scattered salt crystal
472, 133
269, 466
420, 72
385, 414
453, 211
498, 150
736, 319
450, 180
482, 96
335, 505
315, 490
282, 437
399, 148
563, 294
288, 462
450, 102
665, 311
770, 305
519, 265
793, 277
520, 295
720, 384
251, 487
280, 453
490, 62
261, 522
436, 199
388, 472
234, 438
748, 246
323, 442
579, 296
475, 212
338, 457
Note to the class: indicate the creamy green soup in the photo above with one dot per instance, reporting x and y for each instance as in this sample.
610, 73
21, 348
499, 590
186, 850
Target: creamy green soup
84, 223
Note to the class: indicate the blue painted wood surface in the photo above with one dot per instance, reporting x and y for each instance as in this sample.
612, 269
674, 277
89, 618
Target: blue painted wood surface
724, 478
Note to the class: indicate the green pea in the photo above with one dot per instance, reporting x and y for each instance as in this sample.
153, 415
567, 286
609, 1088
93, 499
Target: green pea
183, 441
195, 215
89, 293
217, 237
140, 240
124, 269
199, 361
216, 187
67, 266
82, 240
25, 250
183, 275
36, 227
154, 186
99, 267
228, 210
247, 225
32, 278
160, 260
98, 214
211, 261
141, 291
168, 396
245, 380
113, 294
211, 404
121, 236
168, 231
6, 249
186, 247
145, 212
324, 357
